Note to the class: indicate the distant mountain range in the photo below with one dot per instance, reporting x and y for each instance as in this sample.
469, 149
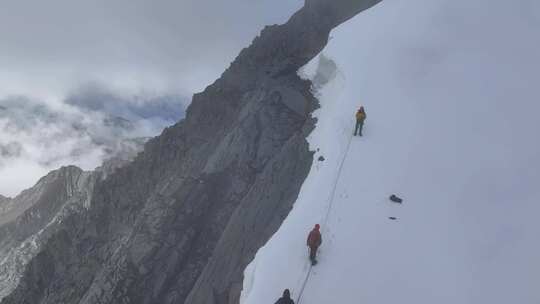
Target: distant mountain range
85, 129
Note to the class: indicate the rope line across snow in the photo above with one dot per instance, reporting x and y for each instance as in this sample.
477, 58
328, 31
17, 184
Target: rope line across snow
327, 215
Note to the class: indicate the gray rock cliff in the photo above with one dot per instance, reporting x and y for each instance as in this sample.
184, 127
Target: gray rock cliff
180, 222
28, 220
31, 217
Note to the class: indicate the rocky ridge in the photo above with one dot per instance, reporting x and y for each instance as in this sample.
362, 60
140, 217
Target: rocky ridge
181, 221
28, 220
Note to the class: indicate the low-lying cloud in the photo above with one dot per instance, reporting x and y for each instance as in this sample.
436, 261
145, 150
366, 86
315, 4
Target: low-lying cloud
91, 125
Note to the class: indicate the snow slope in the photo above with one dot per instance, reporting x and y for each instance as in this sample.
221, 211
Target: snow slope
451, 92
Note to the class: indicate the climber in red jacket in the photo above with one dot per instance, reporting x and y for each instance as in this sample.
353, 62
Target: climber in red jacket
314, 240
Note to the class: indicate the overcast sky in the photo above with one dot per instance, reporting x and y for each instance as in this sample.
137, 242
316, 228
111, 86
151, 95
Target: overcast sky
49, 47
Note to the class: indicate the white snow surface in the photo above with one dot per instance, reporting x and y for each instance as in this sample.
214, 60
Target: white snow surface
451, 94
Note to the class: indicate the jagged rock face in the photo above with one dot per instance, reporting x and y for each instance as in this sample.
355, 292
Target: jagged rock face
339, 11
51, 189
30, 218
180, 223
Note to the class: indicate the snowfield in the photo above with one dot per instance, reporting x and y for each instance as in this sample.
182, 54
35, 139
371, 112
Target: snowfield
451, 95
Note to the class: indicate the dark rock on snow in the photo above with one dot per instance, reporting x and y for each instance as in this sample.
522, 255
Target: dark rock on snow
396, 199
180, 222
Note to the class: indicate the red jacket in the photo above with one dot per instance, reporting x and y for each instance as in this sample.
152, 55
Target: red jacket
314, 238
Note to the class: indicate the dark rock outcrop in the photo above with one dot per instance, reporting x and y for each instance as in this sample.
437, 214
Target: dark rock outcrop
180, 223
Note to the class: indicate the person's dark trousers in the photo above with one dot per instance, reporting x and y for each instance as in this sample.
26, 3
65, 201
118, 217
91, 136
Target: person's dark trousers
359, 127
312, 253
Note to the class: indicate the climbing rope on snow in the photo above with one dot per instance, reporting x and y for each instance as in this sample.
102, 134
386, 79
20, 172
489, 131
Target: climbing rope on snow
327, 215
334, 187
304, 284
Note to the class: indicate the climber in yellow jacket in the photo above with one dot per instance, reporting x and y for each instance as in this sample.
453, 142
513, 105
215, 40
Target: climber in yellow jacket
360, 118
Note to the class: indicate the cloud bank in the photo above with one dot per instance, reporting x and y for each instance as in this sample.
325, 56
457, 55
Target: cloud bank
90, 126
50, 47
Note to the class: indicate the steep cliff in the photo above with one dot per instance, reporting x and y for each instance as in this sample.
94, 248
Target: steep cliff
180, 223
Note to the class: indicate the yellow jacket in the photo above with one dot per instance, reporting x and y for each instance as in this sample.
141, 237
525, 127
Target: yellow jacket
360, 115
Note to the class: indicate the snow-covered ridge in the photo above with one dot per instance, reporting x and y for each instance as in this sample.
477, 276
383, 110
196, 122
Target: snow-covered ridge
451, 107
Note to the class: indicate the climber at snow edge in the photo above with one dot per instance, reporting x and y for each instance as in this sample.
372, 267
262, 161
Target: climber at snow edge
314, 240
286, 298
360, 118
